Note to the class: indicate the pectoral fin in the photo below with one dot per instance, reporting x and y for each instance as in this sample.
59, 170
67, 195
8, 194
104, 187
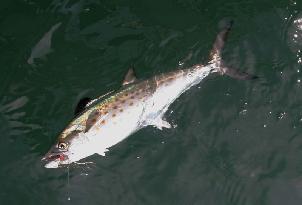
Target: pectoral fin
160, 124
92, 119
102, 152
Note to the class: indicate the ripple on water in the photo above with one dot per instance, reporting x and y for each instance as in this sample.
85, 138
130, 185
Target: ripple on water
13, 116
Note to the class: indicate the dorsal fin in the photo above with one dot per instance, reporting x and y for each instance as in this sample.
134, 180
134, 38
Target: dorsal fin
130, 77
81, 105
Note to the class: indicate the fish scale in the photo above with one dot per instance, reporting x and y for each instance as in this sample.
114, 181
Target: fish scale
106, 122
111, 107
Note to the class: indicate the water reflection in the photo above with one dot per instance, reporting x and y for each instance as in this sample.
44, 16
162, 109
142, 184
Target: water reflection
43, 47
295, 30
235, 143
13, 116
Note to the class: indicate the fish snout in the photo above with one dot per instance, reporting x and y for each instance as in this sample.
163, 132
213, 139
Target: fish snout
54, 157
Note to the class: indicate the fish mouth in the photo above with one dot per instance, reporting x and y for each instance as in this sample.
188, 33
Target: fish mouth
54, 160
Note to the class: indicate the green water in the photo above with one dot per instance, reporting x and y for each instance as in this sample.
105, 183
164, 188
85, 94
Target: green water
236, 142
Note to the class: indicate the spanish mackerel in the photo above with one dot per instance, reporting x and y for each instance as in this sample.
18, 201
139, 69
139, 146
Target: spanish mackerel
108, 120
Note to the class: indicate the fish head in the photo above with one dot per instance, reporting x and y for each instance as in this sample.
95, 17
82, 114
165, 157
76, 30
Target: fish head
71, 146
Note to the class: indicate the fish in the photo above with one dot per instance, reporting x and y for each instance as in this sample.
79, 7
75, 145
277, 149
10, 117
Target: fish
43, 47
103, 122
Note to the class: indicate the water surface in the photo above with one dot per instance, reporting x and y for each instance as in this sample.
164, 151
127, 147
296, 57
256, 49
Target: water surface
236, 142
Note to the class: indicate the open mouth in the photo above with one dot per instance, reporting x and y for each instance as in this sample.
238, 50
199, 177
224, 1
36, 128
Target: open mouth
54, 157
54, 160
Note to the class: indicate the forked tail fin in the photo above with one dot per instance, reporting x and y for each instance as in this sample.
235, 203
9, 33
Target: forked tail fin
215, 57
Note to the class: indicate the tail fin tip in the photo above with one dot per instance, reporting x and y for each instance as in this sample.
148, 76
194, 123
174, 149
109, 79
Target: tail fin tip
237, 74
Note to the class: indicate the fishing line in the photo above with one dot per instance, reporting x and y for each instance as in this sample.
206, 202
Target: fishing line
68, 183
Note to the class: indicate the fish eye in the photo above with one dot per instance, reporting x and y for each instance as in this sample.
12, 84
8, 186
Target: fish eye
62, 145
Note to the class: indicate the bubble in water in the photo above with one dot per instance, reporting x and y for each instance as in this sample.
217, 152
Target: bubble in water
281, 115
295, 37
243, 112
264, 125
297, 21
